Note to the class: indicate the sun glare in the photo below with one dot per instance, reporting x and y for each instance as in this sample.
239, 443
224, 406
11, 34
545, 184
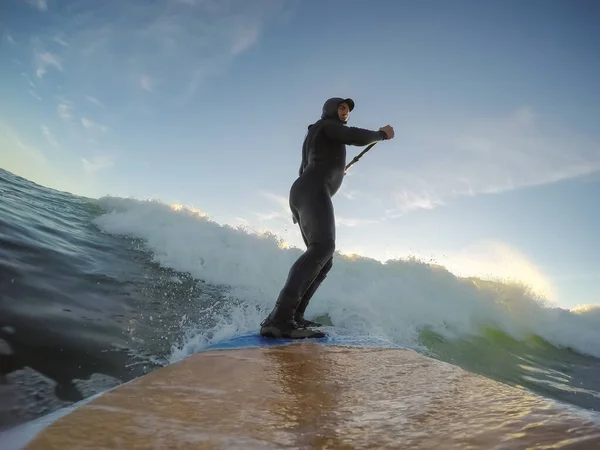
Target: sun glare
500, 262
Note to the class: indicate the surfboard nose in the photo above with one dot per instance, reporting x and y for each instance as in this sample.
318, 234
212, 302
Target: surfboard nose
310, 395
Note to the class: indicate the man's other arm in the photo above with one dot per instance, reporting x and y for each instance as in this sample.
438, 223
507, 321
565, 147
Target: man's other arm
353, 135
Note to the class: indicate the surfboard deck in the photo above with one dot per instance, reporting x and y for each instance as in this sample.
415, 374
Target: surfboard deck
305, 394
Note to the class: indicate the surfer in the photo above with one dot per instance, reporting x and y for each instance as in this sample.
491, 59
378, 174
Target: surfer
320, 176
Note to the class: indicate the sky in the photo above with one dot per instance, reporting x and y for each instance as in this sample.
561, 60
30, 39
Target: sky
494, 170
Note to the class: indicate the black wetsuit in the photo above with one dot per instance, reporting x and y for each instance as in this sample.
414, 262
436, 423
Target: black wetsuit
320, 177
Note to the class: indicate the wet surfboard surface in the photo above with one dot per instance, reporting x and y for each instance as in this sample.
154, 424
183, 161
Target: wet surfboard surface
257, 393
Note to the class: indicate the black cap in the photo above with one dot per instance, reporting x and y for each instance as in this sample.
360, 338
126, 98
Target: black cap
350, 103
331, 105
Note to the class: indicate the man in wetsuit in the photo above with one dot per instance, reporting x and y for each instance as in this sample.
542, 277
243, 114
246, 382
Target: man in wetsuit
320, 177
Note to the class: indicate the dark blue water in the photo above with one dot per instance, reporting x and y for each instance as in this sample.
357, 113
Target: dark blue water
79, 310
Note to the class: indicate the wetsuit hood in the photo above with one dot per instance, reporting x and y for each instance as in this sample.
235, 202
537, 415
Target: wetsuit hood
330, 107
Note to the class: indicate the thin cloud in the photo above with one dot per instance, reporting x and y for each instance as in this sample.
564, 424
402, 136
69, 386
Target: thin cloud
94, 100
28, 78
184, 42
42, 5
279, 199
97, 163
65, 109
146, 83
407, 201
282, 213
26, 160
45, 59
49, 136
244, 37
273, 215
34, 95
239, 222
8, 38
60, 40
350, 194
354, 222
186, 2
483, 156
91, 125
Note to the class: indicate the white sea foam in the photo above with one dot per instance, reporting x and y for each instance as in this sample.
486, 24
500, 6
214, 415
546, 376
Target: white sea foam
392, 300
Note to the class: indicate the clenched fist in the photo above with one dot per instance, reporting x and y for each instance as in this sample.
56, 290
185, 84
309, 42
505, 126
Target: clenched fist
388, 130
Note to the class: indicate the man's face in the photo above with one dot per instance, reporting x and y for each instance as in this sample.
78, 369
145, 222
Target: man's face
343, 111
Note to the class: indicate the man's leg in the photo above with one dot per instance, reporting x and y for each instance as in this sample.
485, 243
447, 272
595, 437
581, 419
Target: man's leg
303, 272
299, 317
327, 231
318, 228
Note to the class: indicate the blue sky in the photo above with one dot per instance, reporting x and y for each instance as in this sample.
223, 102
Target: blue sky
495, 168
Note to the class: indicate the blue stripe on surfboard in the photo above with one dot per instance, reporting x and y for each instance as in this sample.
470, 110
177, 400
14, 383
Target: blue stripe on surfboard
335, 336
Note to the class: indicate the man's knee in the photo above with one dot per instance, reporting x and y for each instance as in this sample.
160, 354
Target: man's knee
324, 271
325, 250
327, 267
323, 254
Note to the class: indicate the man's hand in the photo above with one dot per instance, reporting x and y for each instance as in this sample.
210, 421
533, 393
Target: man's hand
388, 130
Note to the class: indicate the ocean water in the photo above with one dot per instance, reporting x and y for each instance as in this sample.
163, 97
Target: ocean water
94, 292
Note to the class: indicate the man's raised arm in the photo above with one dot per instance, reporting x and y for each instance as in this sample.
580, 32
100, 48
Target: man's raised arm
357, 136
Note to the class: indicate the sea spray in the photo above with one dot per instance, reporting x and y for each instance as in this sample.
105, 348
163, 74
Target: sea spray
395, 300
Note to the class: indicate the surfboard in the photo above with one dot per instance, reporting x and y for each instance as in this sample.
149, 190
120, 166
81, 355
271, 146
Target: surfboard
248, 392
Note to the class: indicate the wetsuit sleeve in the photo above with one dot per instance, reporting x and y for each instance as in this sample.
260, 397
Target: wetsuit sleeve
353, 135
